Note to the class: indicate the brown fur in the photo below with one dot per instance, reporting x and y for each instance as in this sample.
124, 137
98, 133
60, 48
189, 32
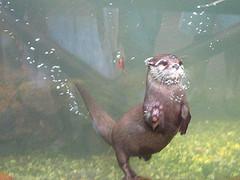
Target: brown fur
131, 135
165, 105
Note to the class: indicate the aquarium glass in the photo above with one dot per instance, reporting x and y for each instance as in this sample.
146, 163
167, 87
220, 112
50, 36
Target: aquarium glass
46, 45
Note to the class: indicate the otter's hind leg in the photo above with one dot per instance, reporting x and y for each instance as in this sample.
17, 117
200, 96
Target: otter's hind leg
123, 161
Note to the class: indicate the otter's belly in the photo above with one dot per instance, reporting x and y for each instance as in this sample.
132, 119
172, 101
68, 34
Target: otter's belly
135, 138
149, 143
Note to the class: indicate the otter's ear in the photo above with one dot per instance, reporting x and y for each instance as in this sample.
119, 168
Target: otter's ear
185, 118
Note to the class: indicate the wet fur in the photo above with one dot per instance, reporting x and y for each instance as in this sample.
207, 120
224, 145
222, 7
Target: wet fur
165, 102
131, 135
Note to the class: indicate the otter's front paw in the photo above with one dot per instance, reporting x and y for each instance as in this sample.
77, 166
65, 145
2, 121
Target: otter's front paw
154, 115
152, 110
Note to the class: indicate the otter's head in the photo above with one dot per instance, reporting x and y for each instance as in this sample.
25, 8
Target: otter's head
166, 69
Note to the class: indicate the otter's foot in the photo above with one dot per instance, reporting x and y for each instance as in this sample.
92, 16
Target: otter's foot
141, 178
136, 178
123, 158
147, 157
129, 178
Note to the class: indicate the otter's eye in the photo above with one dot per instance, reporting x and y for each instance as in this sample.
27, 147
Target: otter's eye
164, 62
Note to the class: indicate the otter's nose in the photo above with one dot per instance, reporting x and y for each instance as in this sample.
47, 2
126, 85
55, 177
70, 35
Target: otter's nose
176, 66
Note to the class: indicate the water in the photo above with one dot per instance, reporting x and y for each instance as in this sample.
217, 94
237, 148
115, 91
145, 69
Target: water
45, 132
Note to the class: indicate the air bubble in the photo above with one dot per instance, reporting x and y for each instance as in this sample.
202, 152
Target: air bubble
40, 65
201, 13
132, 58
55, 67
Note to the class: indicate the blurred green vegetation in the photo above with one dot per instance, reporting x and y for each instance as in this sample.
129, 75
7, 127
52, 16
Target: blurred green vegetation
210, 150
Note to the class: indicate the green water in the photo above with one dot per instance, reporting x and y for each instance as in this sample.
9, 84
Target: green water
45, 132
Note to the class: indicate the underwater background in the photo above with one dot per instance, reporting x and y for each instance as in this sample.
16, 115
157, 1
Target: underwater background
45, 130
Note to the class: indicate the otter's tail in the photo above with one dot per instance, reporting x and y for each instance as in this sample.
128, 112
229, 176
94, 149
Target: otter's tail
102, 122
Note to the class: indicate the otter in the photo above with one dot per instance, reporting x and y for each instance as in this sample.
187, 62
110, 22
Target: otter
136, 133
165, 94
